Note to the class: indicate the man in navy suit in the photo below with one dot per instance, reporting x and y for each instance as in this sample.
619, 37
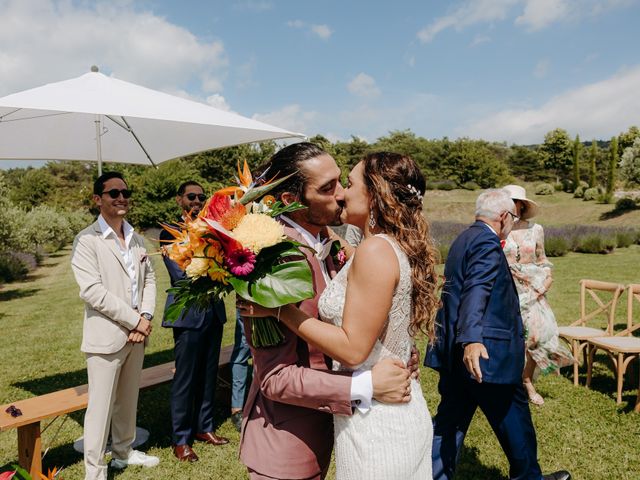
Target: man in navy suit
197, 335
480, 350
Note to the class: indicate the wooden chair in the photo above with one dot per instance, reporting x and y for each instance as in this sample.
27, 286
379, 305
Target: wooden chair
622, 348
578, 332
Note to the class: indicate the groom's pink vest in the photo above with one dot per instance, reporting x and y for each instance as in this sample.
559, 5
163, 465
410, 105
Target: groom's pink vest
288, 425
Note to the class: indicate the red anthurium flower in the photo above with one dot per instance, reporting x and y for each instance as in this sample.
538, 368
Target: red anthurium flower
7, 475
218, 206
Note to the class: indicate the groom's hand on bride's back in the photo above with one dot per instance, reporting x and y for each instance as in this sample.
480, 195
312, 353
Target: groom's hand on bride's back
391, 381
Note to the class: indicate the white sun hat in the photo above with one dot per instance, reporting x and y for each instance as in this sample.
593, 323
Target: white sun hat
519, 193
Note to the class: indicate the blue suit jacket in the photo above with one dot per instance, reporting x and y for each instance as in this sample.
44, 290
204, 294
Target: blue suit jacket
479, 304
193, 318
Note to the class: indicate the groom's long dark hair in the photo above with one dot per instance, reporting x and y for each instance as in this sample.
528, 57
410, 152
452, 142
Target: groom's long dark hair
396, 187
287, 161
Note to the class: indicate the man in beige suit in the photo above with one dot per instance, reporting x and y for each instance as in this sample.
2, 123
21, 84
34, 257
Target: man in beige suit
117, 284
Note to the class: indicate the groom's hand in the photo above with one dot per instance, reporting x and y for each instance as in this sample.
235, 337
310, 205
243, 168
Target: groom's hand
391, 381
471, 359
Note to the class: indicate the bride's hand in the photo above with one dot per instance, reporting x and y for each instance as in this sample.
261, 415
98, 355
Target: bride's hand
253, 310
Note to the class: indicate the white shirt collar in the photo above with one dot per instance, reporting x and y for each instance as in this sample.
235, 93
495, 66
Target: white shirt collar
308, 237
490, 228
107, 230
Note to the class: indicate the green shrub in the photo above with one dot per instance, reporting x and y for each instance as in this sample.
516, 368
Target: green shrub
555, 246
557, 186
446, 185
625, 238
11, 268
583, 184
579, 192
567, 185
470, 186
544, 189
590, 194
596, 243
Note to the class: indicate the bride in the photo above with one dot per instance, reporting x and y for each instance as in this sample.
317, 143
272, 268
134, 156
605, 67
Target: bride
382, 297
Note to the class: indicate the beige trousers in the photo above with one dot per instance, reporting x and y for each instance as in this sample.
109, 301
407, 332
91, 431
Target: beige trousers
114, 383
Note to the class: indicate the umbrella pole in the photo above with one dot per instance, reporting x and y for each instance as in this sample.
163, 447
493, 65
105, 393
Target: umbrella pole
98, 144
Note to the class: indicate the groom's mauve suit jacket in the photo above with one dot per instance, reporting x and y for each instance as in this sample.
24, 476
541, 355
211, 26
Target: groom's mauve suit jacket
287, 430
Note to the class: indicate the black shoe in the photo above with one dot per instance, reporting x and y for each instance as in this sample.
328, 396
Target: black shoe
236, 419
559, 475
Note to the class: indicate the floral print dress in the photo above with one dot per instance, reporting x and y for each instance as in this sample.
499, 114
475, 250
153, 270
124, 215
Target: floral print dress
530, 268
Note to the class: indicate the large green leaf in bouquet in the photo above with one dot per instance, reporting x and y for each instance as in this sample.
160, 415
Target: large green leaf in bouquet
284, 278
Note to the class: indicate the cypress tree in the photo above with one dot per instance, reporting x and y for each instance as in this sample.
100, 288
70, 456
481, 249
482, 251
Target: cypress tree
613, 163
576, 162
592, 163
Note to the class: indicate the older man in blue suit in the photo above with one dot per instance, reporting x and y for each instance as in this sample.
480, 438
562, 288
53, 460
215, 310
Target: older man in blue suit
480, 349
197, 335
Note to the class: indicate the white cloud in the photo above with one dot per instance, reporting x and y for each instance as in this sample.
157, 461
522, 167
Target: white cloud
290, 117
542, 68
47, 41
470, 13
598, 110
480, 39
321, 31
541, 13
363, 85
534, 14
218, 101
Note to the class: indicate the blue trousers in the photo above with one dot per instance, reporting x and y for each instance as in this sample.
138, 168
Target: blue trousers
507, 410
239, 365
194, 384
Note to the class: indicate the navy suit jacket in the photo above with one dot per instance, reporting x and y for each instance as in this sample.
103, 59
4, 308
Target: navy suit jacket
479, 304
193, 318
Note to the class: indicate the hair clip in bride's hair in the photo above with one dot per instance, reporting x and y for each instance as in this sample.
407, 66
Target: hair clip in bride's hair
415, 191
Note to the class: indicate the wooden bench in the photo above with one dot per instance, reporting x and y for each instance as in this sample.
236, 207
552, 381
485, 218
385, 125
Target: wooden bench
53, 404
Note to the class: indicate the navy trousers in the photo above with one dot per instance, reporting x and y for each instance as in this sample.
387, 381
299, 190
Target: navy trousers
193, 389
507, 410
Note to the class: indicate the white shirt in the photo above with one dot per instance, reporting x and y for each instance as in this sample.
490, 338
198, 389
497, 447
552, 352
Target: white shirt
361, 381
127, 254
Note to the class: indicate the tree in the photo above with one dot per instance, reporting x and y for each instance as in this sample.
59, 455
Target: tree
613, 163
626, 139
577, 147
556, 152
630, 164
474, 161
593, 156
525, 163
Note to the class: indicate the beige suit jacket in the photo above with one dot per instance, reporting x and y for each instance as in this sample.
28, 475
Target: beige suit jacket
105, 287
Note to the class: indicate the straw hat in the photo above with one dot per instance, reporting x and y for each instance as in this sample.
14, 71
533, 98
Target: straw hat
519, 193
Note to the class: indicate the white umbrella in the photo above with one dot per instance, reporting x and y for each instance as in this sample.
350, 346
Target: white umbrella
96, 117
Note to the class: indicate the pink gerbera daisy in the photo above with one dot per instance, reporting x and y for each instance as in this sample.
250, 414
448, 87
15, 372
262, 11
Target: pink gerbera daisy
241, 262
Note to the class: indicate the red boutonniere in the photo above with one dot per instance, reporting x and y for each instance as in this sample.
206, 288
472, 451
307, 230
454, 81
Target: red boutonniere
502, 243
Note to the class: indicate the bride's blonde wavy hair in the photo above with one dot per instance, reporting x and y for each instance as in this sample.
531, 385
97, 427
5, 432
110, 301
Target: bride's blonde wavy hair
396, 187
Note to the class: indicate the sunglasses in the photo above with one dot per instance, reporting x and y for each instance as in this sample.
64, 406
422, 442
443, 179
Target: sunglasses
192, 196
13, 411
115, 193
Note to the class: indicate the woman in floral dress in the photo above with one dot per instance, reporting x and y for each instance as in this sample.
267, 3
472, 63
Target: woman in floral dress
531, 272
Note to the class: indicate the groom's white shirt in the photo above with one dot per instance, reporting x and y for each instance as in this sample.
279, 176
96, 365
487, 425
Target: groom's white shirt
361, 382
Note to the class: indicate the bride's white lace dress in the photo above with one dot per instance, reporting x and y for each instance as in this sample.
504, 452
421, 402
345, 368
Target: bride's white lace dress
389, 441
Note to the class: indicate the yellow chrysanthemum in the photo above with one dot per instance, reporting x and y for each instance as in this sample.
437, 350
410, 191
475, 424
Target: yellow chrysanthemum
217, 273
256, 231
197, 268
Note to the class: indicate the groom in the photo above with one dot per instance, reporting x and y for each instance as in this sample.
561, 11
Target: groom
479, 351
287, 431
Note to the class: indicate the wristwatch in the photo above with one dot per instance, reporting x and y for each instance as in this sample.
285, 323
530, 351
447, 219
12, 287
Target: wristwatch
147, 316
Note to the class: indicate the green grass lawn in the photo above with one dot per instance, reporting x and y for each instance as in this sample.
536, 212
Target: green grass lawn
578, 429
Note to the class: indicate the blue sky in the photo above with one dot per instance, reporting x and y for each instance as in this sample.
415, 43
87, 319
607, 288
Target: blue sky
505, 70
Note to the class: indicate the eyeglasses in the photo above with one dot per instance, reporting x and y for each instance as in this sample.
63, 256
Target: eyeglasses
115, 193
513, 216
13, 411
192, 196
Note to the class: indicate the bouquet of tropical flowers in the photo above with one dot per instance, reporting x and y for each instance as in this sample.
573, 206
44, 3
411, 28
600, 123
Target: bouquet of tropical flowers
235, 243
